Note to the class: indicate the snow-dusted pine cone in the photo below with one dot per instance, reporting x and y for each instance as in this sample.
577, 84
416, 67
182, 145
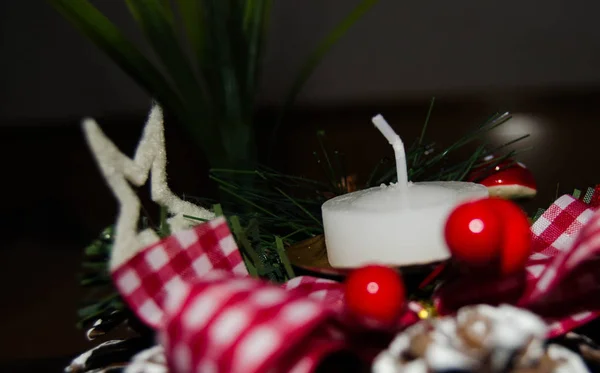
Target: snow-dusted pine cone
152, 360
479, 339
108, 357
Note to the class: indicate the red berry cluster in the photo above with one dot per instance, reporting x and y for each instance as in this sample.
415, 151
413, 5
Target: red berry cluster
487, 233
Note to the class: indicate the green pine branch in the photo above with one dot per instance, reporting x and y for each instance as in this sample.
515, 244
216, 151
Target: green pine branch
289, 206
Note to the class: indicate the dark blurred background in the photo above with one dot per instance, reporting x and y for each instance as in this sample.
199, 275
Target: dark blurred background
538, 60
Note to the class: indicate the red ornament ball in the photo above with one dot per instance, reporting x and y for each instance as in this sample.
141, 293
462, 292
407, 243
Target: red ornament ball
489, 231
375, 293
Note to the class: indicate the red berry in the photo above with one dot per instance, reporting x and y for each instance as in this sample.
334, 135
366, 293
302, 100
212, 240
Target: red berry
516, 235
490, 231
474, 233
375, 293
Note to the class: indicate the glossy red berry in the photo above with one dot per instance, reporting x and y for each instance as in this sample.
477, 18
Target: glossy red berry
375, 293
489, 232
516, 235
473, 233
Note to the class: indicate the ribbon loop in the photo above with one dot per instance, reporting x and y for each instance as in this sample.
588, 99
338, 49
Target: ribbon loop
169, 265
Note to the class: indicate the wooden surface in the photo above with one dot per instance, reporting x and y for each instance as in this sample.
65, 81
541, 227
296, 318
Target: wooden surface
55, 202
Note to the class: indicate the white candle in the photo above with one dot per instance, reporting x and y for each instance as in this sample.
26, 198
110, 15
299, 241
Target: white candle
398, 224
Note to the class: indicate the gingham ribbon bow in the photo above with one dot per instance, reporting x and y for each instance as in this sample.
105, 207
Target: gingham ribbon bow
194, 289
561, 282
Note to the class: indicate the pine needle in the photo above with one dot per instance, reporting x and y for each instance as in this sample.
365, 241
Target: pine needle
284, 258
241, 237
588, 195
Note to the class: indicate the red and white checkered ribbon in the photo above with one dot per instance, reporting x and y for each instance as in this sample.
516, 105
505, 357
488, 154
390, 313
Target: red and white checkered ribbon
194, 289
165, 267
561, 282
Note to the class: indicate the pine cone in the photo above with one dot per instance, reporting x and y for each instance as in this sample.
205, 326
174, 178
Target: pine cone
108, 357
152, 360
479, 339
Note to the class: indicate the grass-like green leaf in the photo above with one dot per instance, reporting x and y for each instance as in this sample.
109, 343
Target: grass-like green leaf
587, 198
208, 78
279, 246
155, 20
256, 22
315, 58
224, 42
325, 46
168, 11
192, 16
93, 24
241, 237
423, 130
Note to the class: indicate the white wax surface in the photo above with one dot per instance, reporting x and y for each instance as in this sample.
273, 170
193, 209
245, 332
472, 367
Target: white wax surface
378, 225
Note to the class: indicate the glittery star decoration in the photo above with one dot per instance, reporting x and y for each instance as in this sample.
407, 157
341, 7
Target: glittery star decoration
119, 170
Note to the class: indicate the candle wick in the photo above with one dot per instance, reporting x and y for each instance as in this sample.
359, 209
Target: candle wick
398, 146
